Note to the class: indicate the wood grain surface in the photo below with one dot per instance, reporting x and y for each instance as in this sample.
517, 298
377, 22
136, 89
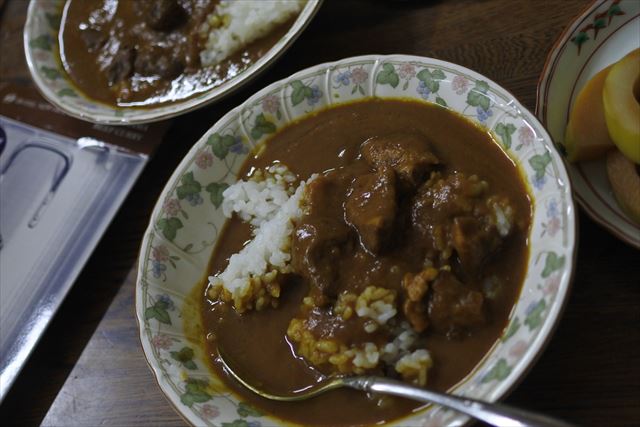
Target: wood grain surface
88, 369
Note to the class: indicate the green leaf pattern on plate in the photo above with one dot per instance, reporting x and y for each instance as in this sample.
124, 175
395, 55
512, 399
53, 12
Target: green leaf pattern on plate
237, 423
430, 85
215, 190
220, 144
185, 357
301, 91
67, 91
246, 410
477, 97
261, 127
50, 73
498, 372
505, 132
431, 79
599, 22
388, 76
170, 227
441, 101
195, 392
552, 263
53, 19
535, 314
158, 311
539, 164
41, 42
189, 186
512, 329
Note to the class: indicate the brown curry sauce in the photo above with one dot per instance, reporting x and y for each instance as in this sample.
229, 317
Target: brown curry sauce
331, 141
146, 52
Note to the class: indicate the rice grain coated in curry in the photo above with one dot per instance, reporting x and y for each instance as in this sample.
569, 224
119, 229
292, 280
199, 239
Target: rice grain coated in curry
381, 237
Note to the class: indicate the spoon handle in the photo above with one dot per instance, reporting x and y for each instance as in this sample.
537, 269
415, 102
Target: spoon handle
492, 413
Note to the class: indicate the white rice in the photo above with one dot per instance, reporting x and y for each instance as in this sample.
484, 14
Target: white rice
258, 199
405, 339
414, 366
236, 23
265, 202
379, 311
367, 357
502, 214
411, 365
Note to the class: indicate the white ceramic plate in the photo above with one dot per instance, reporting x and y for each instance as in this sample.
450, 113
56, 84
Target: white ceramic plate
187, 218
605, 32
42, 54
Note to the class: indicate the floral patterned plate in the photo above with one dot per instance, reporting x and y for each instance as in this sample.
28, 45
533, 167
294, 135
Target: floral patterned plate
600, 36
43, 59
187, 219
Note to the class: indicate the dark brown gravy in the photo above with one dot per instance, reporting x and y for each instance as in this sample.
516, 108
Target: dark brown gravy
91, 39
256, 341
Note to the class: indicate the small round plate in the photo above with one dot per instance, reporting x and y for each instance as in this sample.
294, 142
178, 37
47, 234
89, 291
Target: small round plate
605, 32
42, 54
187, 219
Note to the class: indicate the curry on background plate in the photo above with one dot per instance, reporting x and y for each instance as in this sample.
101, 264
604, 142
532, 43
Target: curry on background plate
126, 62
147, 52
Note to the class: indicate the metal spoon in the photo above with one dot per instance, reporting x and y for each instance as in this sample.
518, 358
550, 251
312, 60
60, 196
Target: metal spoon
491, 413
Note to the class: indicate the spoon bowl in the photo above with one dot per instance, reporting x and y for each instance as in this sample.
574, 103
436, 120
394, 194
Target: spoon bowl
491, 413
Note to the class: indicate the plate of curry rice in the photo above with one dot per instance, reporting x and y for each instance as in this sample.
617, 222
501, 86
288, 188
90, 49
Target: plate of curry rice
128, 62
605, 32
397, 215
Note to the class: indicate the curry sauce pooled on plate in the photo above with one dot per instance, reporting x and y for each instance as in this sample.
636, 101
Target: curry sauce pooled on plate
147, 52
382, 237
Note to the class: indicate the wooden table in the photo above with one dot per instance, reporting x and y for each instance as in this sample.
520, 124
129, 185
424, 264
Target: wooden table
89, 369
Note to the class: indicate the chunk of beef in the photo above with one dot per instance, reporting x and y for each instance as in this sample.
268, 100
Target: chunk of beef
120, 65
453, 306
164, 15
371, 208
434, 206
407, 154
443, 198
155, 61
474, 241
323, 237
502, 215
326, 193
453, 215
415, 288
318, 246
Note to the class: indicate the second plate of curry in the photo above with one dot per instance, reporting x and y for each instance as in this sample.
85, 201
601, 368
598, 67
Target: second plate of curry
127, 62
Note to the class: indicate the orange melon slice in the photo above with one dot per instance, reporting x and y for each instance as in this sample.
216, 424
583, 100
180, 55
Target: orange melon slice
587, 136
